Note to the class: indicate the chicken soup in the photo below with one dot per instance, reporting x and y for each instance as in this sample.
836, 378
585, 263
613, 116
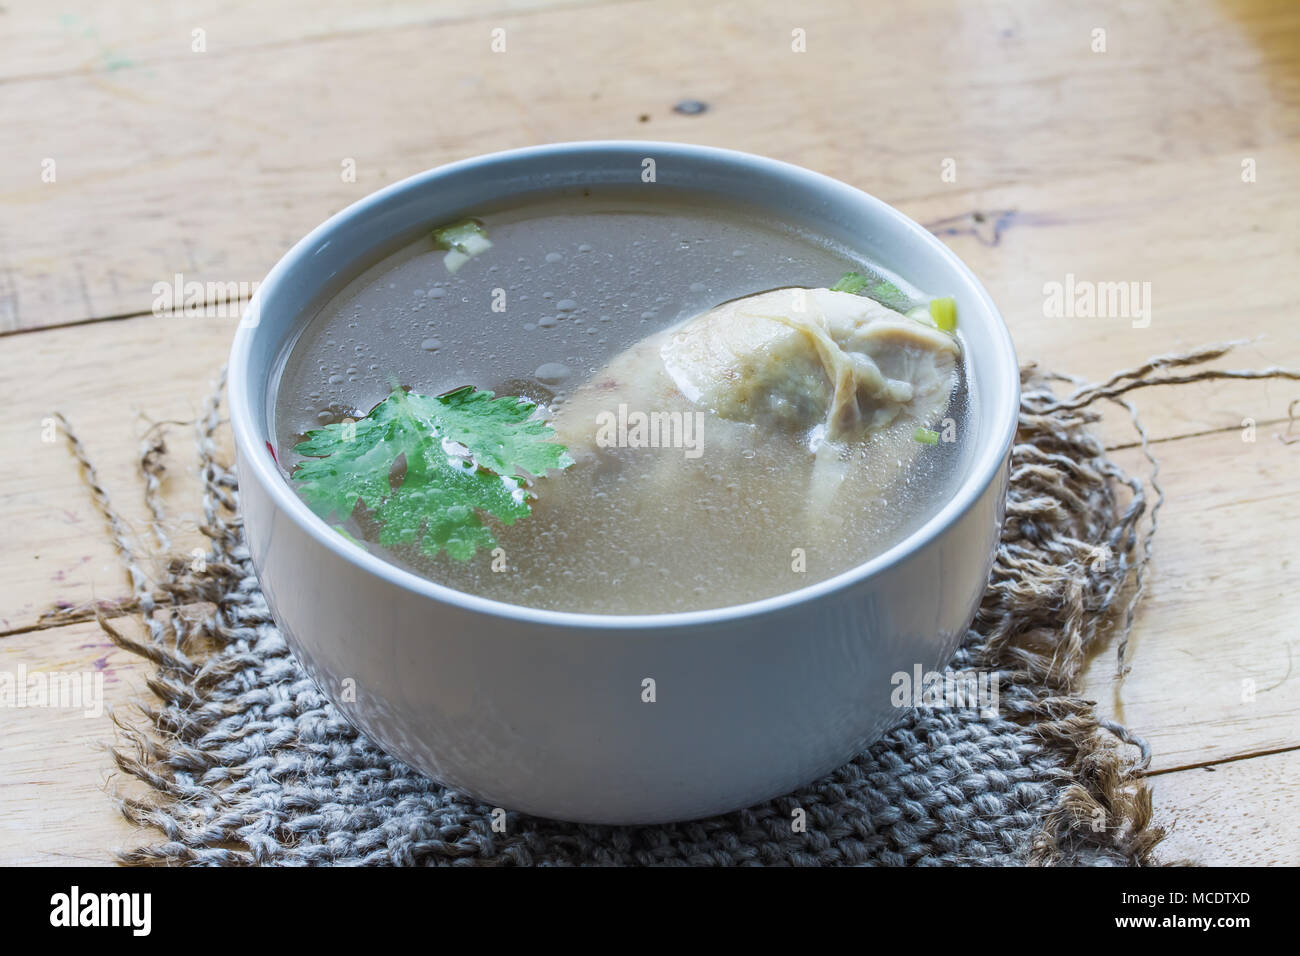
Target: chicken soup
609, 402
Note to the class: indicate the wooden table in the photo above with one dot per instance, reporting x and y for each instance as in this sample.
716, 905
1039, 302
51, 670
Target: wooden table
141, 141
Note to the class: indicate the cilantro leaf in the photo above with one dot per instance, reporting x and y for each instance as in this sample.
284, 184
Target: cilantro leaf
466, 454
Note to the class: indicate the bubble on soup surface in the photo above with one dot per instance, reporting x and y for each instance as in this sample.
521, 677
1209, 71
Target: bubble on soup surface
552, 373
431, 345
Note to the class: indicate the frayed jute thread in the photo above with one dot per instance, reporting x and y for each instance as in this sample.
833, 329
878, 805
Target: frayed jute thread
245, 762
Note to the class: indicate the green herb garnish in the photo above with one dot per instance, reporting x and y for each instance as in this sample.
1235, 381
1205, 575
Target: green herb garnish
926, 436
463, 240
874, 287
853, 282
466, 454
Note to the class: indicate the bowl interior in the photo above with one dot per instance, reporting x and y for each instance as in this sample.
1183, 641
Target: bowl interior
334, 253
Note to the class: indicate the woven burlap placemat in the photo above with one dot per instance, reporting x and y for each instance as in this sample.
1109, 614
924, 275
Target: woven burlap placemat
246, 762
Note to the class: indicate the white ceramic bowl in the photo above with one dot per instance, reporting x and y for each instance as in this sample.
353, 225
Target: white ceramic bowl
542, 711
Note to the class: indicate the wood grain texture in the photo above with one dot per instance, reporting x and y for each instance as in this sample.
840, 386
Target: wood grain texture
106, 36
1216, 645
1123, 166
113, 381
1213, 257
1233, 814
56, 778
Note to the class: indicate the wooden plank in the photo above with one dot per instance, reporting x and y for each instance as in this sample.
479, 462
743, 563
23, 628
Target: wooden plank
1216, 644
1233, 814
105, 36
55, 776
212, 166
1226, 273
112, 380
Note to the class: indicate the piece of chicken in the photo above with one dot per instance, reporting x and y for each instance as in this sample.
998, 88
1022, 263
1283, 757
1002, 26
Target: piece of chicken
819, 364
803, 358
806, 402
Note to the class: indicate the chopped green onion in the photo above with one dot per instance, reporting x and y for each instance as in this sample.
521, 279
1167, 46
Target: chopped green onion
926, 436
463, 240
944, 313
466, 235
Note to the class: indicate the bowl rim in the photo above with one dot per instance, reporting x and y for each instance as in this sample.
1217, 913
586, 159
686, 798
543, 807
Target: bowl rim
1001, 397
